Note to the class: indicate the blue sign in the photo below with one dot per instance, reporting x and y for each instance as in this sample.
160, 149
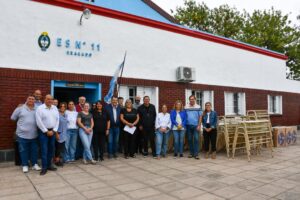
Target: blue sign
78, 48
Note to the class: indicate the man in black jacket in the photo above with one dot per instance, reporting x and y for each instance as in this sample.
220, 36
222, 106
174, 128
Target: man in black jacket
147, 115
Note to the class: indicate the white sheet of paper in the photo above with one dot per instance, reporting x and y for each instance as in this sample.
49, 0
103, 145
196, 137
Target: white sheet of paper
129, 130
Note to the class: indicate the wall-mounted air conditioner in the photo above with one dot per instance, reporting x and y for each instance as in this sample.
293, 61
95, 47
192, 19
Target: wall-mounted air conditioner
185, 74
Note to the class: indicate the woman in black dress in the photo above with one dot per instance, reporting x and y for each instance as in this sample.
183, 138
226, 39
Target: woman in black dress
129, 118
101, 130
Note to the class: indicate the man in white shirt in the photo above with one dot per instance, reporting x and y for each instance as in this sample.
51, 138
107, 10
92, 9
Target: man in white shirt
47, 119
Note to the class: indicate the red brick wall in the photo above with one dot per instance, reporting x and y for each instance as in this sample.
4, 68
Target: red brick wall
15, 84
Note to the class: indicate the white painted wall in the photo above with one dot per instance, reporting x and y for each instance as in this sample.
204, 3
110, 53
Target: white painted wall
151, 53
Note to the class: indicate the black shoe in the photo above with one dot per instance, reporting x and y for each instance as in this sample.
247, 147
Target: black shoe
43, 172
132, 156
59, 164
52, 168
181, 155
190, 156
126, 157
109, 156
115, 155
197, 157
175, 155
145, 155
101, 159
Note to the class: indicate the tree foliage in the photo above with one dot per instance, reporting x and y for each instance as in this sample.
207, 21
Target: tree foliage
269, 29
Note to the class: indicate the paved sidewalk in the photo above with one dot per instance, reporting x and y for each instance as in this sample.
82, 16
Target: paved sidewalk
166, 179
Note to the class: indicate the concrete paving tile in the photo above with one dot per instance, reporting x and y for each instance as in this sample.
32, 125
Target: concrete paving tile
211, 186
251, 196
187, 193
130, 187
14, 184
81, 181
17, 190
158, 181
90, 186
289, 195
114, 197
248, 184
48, 186
270, 190
207, 196
288, 184
142, 193
74, 196
168, 187
229, 192
24, 196
56, 192
161, 196
230, 180
99, 192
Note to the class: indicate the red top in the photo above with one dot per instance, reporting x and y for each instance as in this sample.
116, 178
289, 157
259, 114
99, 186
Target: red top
78, 108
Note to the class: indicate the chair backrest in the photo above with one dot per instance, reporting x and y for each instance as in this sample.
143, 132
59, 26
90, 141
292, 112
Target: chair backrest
258, 115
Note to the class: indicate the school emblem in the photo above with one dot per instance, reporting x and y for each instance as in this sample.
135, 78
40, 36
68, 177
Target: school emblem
44, 41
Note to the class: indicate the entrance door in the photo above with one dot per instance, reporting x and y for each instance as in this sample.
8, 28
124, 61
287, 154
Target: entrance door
65, 91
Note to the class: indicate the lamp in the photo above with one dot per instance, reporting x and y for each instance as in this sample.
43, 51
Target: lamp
86, 14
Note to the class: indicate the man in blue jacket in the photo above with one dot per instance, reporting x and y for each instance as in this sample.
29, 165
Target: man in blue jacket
113, 138
193, 113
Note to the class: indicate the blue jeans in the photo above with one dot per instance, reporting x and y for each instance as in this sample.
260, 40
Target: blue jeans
47, 149
70, 144
193, 139
86, 140
162, 142
113, 140
178, 141
28, 148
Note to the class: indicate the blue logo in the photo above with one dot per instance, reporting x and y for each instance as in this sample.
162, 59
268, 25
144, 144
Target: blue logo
44, 41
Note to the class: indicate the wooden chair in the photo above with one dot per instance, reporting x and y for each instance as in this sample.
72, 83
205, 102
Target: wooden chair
254, 133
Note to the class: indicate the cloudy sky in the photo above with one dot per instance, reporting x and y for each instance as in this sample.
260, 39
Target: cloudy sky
286, 6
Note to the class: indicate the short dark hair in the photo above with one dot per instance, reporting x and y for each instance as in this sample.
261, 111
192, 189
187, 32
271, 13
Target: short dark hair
114, 97
192, 96
120, 98
146, 97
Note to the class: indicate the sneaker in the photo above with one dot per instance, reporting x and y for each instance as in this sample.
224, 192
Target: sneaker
84, 161
93, 162
145, 155
213, 155
206, 155
175, 155
197, 157
190, 156
25, 169
36, 167
115, 156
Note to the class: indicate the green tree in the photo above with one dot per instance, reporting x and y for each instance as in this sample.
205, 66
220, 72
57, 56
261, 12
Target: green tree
269, 29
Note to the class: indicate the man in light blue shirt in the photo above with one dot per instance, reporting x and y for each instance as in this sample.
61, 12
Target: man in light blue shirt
27, 133
193, 112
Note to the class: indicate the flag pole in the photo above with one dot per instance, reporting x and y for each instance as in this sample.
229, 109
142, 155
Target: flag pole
118, 89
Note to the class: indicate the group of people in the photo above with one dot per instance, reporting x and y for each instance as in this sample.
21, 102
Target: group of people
54, 128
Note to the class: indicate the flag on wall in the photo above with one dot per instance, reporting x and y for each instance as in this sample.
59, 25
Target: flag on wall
114, 80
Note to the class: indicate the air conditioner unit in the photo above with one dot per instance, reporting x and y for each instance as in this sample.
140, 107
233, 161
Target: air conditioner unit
185, 74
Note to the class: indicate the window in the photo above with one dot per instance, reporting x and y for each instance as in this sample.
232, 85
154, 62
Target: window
235, 103
201, 97
275, 104
132, 93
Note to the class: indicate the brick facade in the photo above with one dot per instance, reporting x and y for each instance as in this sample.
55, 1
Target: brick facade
16, 84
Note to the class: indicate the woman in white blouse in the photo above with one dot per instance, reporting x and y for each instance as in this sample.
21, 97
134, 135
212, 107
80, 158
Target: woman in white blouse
162, 126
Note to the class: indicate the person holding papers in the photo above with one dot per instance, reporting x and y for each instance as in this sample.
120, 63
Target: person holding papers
129, 117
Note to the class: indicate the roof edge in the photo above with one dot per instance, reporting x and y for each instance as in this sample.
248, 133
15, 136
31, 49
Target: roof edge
75, 5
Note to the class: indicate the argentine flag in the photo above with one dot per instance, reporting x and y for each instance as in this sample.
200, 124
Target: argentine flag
113, 81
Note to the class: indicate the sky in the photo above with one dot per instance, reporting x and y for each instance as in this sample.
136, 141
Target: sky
286, 6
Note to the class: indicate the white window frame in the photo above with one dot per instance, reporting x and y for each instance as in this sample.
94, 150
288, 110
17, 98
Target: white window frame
230, 108
207, 96
277, 101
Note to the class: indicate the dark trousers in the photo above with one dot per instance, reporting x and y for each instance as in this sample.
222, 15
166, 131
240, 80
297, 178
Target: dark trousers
121, 142
79, 150
210, 138
139, 141
98, 143
47, 149
60, 150
149, 135
129, 143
